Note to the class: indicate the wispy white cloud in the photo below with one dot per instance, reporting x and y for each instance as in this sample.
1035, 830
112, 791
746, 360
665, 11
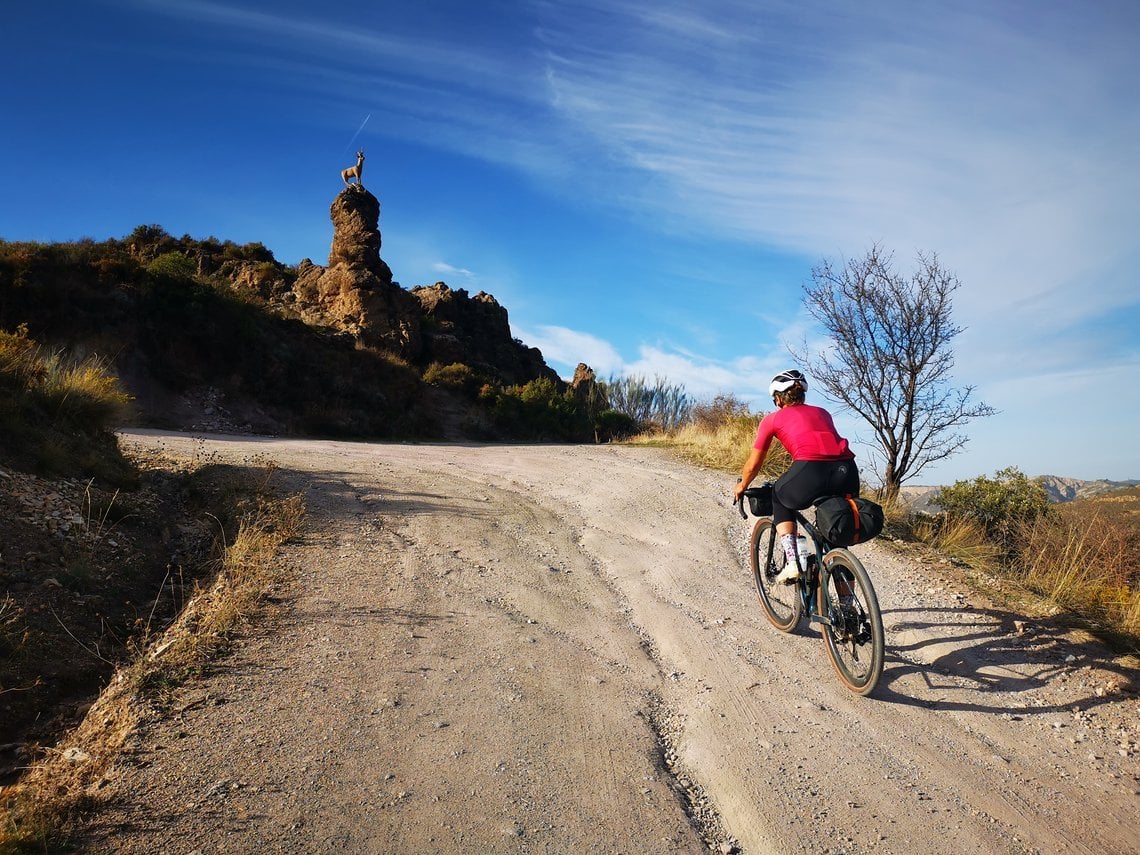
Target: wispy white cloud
701, 376
445, 269
1005, 145
567, 347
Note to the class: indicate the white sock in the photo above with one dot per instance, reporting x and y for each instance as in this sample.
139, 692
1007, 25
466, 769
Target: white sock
789, 547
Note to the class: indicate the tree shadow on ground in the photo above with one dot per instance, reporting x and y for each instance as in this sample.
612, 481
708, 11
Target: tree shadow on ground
974, 654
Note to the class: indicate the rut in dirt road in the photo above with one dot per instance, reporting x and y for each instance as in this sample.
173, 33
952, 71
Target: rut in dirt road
557, 649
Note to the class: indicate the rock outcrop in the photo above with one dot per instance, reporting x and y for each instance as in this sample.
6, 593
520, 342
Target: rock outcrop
475, 331
585, 386
355, 293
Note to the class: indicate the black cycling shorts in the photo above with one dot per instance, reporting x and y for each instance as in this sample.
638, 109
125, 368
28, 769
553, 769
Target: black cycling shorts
807, 481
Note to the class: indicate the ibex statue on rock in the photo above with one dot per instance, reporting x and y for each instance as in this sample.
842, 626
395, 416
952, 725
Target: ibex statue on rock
354, 171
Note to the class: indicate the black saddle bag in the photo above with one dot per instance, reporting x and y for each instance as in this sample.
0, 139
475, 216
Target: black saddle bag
847, 520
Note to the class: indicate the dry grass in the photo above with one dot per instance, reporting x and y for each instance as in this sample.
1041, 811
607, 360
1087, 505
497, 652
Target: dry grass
36, 813
1079, 558
723, 445
1085, 563
81, 392
961, 538
247, 570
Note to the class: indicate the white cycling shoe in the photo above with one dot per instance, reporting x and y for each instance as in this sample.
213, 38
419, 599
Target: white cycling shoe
789, 574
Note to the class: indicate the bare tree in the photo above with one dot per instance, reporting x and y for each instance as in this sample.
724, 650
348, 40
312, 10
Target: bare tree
891, 359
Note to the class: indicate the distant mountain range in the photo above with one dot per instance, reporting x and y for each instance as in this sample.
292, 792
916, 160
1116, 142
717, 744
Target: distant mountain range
1059, 489
1067, 489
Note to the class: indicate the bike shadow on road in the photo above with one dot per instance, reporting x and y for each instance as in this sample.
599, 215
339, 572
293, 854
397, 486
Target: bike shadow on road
987, 660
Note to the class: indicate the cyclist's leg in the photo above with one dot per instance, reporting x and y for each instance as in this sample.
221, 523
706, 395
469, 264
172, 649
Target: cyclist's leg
784, 504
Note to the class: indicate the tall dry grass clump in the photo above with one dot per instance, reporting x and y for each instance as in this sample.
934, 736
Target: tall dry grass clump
1085, 562
83, 392
962, 538
719, 434
57, 414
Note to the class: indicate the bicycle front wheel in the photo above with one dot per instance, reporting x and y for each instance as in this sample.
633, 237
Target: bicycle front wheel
781, 602
853, 633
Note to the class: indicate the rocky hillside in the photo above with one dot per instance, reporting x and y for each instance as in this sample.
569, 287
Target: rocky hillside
208, 335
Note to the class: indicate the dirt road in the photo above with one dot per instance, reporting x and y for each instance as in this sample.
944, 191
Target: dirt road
557, 649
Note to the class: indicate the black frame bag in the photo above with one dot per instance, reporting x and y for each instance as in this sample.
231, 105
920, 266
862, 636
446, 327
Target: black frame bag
848, 520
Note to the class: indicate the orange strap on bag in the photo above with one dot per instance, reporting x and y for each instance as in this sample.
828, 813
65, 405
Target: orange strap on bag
854, 510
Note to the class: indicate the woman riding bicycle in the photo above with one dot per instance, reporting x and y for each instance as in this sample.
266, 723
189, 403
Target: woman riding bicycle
823, 464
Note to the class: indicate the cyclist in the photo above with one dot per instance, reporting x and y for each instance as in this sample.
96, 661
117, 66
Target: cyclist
822, 463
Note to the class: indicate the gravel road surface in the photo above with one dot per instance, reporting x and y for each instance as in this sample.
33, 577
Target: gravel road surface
558, 649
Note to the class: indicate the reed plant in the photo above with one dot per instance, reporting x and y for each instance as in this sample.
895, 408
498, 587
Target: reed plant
656, 406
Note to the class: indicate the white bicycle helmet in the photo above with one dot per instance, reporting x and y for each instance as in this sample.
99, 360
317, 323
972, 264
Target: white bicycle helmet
785, 380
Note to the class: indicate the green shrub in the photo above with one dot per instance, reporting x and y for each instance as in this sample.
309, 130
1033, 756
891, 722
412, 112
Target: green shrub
537, 410
610, 425
173, 265
255, 251
999, 504
456, 376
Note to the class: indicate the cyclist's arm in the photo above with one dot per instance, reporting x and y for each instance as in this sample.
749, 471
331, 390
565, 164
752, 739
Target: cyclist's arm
750, 471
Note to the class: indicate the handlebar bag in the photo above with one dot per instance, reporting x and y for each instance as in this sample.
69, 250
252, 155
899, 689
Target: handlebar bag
759, 500
847, 520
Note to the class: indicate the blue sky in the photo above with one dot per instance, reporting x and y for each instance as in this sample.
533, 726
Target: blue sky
645, 185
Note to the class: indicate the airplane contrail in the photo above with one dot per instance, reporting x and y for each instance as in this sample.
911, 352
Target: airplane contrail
358, 130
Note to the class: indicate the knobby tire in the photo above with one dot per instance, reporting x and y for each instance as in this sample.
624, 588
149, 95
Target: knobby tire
782, 603
854, 636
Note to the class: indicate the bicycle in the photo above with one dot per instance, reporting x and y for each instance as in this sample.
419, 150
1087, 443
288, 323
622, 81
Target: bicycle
834, 590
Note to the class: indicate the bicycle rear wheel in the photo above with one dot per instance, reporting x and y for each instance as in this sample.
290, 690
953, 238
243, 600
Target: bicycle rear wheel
854, 634
782, 603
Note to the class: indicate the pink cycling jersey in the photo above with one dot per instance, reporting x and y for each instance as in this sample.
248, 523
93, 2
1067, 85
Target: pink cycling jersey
807, 432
